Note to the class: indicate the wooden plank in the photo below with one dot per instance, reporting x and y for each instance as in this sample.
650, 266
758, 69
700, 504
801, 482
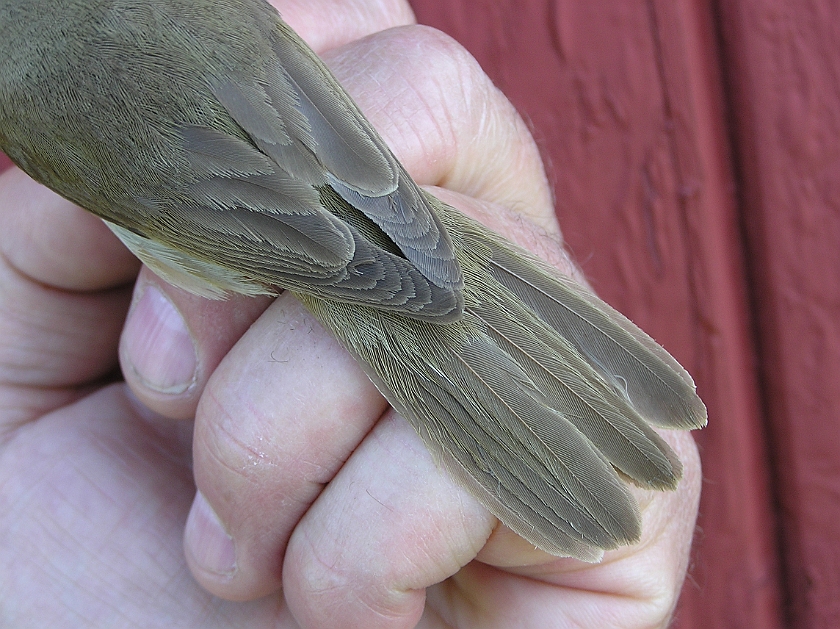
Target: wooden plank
625, 101
784, 77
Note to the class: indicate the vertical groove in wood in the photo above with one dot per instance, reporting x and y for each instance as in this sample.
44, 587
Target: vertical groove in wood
784, 77
737, 567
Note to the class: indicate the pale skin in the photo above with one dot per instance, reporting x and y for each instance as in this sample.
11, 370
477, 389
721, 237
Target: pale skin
317, 505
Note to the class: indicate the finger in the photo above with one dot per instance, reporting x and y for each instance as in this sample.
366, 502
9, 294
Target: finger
518, 229
326, 24
451, 126
62, 299
172, 342
279, 416
389, 525
445, 120
49, 240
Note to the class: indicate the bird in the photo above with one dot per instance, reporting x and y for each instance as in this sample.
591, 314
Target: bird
224, 153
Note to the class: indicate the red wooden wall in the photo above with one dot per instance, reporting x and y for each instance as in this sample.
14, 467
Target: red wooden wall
694, 148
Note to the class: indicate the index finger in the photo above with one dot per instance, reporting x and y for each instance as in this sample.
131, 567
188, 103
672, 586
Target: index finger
446, 121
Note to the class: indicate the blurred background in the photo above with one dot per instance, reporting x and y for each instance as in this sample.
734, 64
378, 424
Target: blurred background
694, 150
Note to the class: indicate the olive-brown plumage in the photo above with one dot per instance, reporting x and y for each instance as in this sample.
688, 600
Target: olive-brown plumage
222, 151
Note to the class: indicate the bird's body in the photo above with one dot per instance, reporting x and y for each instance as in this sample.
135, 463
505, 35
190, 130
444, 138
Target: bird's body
223, 152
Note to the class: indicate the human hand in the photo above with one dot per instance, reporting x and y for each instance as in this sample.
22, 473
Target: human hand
322, 490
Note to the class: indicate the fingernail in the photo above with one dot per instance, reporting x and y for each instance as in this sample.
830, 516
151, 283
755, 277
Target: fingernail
157, 344
206, 540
